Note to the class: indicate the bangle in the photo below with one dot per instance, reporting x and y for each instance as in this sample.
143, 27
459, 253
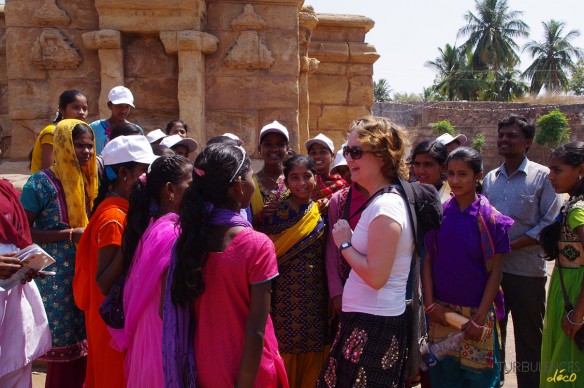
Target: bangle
430, 307
71, 235
476, 324
573, 323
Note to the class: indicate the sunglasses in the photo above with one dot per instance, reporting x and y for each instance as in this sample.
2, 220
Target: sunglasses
356, 152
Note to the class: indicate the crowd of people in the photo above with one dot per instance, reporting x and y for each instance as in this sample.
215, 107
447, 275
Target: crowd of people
299, 274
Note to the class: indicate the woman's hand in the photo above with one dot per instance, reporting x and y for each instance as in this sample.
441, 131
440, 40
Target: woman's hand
437, 315
8, 265
473, 330
335, 306
342, 232
270, 208
323, 205
76, 235
571, 328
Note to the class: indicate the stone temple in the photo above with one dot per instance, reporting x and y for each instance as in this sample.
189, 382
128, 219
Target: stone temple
220, 65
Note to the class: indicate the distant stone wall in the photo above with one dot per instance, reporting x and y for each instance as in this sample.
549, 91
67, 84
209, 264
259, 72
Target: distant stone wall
472, 118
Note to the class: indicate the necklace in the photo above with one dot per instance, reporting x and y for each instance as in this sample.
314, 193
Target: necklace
276, 181
115, 194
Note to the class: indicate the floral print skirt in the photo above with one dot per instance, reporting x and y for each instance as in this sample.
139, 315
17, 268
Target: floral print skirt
368, 351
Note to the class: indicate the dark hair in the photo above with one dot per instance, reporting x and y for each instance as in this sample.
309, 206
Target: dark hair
80, 129
298, 160
173, 122
145, 199
571, 154
161, 150
468, 155
521, 122
125, 129
105, 182
215, 169
67, 97
221, 139
436, 150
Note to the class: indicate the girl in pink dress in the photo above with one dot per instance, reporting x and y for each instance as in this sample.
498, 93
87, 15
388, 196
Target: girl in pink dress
219, 283
149, 235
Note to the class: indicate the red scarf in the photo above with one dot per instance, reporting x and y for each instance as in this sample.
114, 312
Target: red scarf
14, 224
327, 185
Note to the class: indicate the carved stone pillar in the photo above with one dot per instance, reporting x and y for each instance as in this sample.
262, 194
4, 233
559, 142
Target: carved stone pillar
111, 59
307, 22
191, 47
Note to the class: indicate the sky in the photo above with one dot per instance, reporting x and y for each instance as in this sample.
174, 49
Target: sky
408, 33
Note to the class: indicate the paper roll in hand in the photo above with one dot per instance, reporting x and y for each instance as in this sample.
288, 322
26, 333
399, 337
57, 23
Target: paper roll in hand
456, 320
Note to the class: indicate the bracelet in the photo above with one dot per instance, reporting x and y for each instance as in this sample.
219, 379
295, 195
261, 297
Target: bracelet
573, 323
430, 307
71, 235
476, 324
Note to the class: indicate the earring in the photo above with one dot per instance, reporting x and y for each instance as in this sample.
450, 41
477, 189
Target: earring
171, 197
125, 178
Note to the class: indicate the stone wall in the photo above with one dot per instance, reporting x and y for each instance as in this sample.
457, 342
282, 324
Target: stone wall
472, 118
220, 65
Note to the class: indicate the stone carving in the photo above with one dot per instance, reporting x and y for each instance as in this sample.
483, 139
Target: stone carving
51, 51
51, 15
248, 51
248, 20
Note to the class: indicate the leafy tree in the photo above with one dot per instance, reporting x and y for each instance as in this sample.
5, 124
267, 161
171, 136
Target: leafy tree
507, 86
553, 58
577, 79
381, 90
553, 129
408, 97
479, 142
491, 33
442, 127
454, 79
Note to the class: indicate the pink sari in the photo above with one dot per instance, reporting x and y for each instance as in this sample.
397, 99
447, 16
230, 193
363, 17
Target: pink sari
141, 337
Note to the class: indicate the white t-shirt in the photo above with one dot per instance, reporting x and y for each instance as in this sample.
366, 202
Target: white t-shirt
390, 300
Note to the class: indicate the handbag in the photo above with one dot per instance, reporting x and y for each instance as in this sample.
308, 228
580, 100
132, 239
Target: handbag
579, 337
112, 308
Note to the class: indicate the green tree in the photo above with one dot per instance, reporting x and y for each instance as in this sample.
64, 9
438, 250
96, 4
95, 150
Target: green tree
553, 58
553, 129
381, 90
491, 33
408, 97
442, 127
577, 78
507, 86
479, 141
454, 78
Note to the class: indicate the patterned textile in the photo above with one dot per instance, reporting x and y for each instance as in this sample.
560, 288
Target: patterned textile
300, 297
473, 355
344, 268
43, 194
368, 351
569, 244
79, 183
327, 185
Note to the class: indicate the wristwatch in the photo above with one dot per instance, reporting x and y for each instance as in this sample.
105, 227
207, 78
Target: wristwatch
344, 246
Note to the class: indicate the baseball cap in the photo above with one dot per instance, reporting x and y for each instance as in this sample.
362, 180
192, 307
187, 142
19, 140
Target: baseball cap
121, 95
320, 139
233, 137
174, 140
155, 135
447, 138
124, 149
339, 160
274, 127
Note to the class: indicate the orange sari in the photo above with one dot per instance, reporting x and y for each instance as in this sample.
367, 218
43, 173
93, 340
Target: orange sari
105, 366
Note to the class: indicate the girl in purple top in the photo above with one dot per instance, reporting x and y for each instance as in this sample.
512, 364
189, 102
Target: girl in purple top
462, 273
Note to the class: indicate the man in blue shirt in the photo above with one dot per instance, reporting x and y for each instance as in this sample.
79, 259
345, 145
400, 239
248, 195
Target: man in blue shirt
519, 188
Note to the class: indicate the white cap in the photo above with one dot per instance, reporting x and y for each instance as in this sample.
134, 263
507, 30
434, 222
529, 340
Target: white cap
121, 95
174, 140
274, 127
155, 135
447, 138
322, 140
124, 149
339, 160
234, 138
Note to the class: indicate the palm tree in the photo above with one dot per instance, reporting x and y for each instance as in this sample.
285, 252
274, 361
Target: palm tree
507, 86
491, 33
455, 79
381, 90
553, 57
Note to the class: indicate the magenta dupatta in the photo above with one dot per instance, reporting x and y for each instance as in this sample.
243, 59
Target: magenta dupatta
151, 259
